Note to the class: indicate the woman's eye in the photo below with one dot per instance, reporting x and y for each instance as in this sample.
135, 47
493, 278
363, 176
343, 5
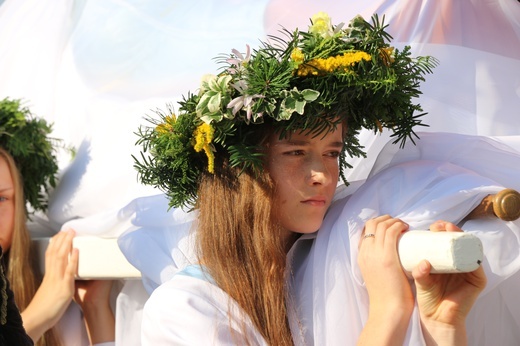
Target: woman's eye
334, 154
295, 152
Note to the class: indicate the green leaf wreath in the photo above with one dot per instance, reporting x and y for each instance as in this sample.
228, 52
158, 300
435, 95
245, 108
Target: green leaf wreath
304, 80
26, 139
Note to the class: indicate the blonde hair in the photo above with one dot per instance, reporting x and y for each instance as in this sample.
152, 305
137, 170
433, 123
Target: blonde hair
240, 244
22, 271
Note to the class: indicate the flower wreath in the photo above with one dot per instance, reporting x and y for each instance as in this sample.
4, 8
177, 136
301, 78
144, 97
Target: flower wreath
26, 139
308, 81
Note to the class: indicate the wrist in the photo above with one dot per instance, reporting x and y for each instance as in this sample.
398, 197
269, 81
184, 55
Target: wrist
100, 323
442, 334
35, 322
385, 326
391, 310
94, 312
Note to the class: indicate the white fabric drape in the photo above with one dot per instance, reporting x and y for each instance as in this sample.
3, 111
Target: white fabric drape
95, 68
474, 90
439, 178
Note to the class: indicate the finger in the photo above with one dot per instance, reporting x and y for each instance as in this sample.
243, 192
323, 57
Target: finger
371, 224
365, 236
478, 278
57, 254
61, 241
369, 231
389, 230
421, 275
379, 228
451, 227
72, 265
441, 226
438, 226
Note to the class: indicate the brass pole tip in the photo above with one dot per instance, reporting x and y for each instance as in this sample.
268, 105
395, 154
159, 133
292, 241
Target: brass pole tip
506, 205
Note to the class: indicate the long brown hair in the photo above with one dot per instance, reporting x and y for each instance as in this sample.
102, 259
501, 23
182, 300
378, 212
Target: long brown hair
22, 271
240, 244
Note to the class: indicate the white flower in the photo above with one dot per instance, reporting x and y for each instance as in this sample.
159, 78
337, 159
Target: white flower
321, 25
204, 81
244, 101
239, 61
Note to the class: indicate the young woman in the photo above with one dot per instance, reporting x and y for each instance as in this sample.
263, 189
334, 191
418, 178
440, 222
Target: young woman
258, 152
26, 167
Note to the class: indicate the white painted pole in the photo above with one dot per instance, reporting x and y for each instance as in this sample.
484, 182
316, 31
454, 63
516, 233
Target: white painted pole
448, 252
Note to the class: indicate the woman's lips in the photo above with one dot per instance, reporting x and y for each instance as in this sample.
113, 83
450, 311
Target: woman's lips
315, 201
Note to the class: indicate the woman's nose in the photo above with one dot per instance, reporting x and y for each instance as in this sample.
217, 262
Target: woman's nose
318, 173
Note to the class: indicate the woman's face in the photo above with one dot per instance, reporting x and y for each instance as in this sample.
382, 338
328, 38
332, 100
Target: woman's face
6, 205
305, 171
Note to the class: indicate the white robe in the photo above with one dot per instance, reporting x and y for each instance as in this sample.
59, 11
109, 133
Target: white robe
190, 309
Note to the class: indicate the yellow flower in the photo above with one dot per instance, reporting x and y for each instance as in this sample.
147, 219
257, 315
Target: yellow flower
167, 125
331, 64
387, 55
321, 25
297, 55
203, 138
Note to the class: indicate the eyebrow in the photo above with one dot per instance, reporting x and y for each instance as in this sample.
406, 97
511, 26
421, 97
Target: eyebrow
337, 144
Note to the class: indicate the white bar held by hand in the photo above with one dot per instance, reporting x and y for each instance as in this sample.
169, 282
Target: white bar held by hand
99, 258
448, 252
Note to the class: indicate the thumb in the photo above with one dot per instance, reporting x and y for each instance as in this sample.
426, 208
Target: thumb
421, 275
72, 265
